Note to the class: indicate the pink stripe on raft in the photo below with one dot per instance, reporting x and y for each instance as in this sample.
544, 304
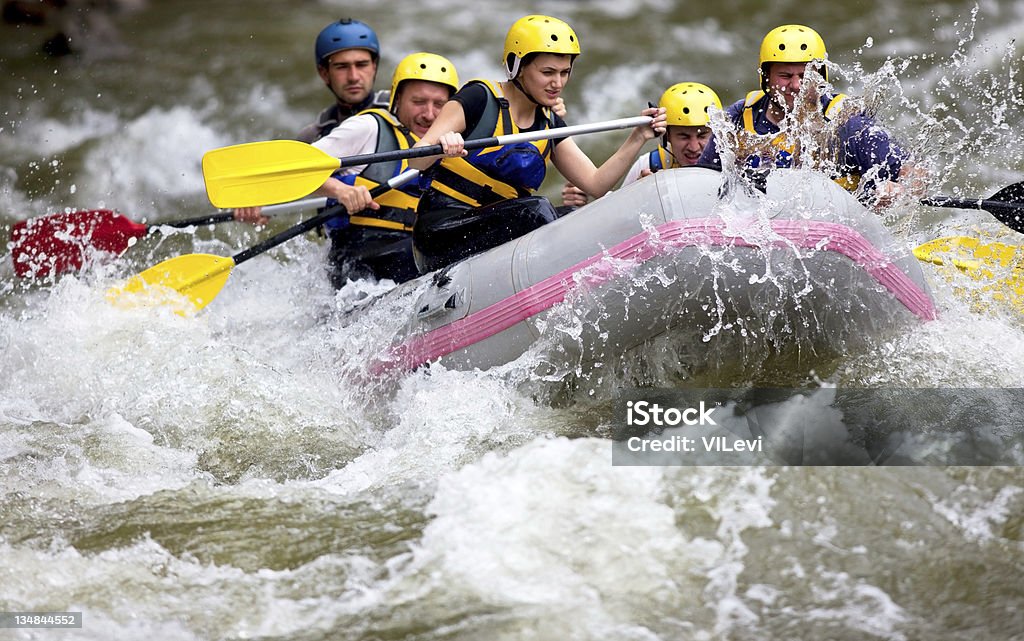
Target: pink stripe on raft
666, 238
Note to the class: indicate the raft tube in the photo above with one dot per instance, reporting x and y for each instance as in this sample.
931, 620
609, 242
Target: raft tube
678, 249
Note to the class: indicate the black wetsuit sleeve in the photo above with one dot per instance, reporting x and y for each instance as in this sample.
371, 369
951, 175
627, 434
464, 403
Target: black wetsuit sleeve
473, 98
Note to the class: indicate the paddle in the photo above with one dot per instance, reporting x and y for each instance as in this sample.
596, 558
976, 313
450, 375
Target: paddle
54, 244
258, 173
200, 277
999, 267
1007, 205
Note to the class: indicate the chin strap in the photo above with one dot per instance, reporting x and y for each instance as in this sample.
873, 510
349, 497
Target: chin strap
515, 82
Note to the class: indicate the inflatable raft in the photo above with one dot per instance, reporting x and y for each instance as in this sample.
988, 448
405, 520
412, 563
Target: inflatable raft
804, 260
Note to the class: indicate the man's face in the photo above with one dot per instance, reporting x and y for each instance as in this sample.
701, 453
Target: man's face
349, 74
687, 142
784, 80
419, 102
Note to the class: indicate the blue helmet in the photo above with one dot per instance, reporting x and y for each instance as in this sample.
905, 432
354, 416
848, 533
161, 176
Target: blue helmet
346, 34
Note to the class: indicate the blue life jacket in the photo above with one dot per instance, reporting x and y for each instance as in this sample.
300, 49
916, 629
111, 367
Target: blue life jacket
490, 175
784, 155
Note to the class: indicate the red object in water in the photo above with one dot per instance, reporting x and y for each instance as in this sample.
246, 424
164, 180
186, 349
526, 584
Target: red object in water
50, 245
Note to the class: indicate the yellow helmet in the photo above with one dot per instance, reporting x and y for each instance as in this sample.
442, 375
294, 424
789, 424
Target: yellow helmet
537, 34
791, 43
687, 104
424, 66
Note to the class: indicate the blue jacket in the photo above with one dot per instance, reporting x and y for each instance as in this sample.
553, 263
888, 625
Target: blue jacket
863, 145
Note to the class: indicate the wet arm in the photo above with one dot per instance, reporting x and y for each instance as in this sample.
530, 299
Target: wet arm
877, 156
577, 167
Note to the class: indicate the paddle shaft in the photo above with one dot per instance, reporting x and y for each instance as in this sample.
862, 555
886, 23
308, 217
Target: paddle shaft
971, 203
276, 171
431, 150
227, 216
317, 220
497, 141
1005, 205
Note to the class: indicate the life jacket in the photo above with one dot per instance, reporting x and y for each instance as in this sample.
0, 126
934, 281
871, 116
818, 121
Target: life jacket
830, 106
397, 206
328, 119
662, 158
490, 175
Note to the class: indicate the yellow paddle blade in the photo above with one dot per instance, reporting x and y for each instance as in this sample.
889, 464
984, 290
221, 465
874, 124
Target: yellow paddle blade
185, 283
264, 173
997, 267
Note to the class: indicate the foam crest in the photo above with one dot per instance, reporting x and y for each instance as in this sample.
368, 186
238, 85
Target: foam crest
574, 540
455, 416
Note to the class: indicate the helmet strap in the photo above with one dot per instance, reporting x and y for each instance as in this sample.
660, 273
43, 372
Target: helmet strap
395, 98
513, 69
519, 86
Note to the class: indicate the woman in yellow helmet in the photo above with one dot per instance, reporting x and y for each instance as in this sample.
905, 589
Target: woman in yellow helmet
863, 149
688, 108
482, 198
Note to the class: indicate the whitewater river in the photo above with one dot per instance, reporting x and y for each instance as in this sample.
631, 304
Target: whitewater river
231, 476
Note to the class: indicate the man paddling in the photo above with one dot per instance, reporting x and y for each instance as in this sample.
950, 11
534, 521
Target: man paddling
687, 109
376, 240
775, 130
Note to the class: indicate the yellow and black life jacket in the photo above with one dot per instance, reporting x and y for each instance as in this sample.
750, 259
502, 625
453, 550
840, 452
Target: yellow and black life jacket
662, 158
830, 106
397, 206
491, 175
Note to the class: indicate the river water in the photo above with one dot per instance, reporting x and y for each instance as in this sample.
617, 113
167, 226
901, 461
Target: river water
220, 477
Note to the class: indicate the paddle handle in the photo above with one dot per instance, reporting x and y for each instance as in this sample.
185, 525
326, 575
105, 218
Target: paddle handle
227, 216
497, 141
319, 219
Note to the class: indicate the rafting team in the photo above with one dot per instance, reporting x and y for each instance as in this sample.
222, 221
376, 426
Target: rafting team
469, 201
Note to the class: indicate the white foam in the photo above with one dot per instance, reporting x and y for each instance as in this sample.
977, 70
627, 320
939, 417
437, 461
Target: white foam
979, 517
155, 157
552, 525
51, 136
437, 423
165, 589
856, 604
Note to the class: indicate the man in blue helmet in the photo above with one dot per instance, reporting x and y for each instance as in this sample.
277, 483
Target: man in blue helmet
347, 52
